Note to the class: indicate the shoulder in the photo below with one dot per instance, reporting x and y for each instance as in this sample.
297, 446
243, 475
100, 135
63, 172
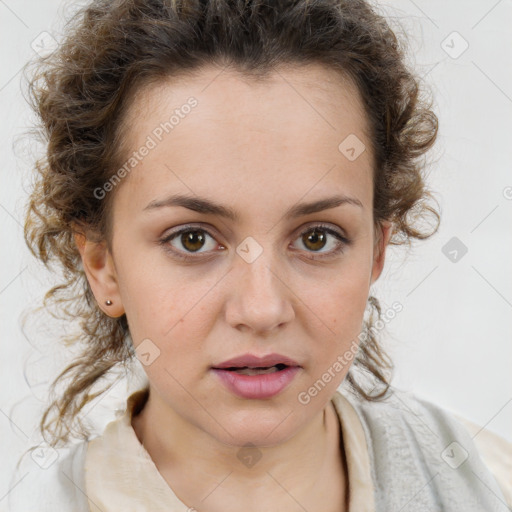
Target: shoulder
422, 456
48, 479
496, 453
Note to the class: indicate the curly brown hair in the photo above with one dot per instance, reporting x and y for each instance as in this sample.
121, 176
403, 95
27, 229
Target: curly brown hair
112, 49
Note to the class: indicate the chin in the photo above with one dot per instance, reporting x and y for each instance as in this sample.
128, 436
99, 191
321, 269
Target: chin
258, 427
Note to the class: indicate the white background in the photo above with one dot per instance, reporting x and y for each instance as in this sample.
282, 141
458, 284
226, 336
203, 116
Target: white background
451, 343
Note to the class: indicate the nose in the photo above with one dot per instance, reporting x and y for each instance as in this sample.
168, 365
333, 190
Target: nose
261, 300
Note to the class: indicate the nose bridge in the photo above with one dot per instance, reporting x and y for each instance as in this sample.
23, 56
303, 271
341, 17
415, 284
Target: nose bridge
254, 261
260, 277
260, 299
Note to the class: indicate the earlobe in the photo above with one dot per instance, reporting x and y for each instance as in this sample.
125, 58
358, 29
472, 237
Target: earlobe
379, 253
99, 268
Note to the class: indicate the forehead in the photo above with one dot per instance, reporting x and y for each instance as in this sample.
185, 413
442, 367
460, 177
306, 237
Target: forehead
312, 91
282, 130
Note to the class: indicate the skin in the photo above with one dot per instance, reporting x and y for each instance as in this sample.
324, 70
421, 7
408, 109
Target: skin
258, 148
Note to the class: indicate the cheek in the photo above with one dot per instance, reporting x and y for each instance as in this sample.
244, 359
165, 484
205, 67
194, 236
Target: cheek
342, 301
156, 293
341, 306
166, 312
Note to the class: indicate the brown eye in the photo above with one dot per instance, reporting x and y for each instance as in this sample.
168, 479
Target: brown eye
189, 241
192, 240
315, 240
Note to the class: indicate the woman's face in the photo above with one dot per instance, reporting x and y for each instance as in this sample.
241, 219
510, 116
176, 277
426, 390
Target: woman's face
260, 281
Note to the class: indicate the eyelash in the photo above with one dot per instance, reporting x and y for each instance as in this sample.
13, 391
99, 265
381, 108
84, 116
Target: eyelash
179, 254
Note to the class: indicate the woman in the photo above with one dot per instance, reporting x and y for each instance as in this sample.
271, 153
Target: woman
222, 181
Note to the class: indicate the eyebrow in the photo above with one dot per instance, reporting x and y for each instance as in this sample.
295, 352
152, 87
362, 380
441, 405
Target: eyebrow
206, 206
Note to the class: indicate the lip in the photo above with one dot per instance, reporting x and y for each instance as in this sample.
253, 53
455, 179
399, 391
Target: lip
257, 387
253, 361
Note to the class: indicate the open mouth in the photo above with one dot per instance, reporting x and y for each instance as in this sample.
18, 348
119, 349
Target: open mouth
259, 370
253, 380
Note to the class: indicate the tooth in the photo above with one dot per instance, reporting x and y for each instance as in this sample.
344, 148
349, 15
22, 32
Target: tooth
254, 371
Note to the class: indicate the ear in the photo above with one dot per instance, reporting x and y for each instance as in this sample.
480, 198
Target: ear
383, 237
101, 273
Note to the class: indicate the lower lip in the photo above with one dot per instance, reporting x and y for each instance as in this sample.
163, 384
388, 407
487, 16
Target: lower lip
261, 386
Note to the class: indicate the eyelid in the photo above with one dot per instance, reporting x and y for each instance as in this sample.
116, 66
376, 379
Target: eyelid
330, 228
190, 227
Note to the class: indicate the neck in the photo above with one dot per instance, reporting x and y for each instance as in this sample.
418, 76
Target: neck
209, 475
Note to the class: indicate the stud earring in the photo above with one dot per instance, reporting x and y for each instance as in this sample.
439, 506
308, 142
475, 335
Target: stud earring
108, 302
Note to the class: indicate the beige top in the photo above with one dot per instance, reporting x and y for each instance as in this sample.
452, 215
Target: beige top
120, 474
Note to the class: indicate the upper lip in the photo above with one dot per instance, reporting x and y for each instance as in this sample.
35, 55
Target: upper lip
252, 361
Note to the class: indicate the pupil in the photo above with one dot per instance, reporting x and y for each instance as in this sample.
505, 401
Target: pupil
316, 238
191, 239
